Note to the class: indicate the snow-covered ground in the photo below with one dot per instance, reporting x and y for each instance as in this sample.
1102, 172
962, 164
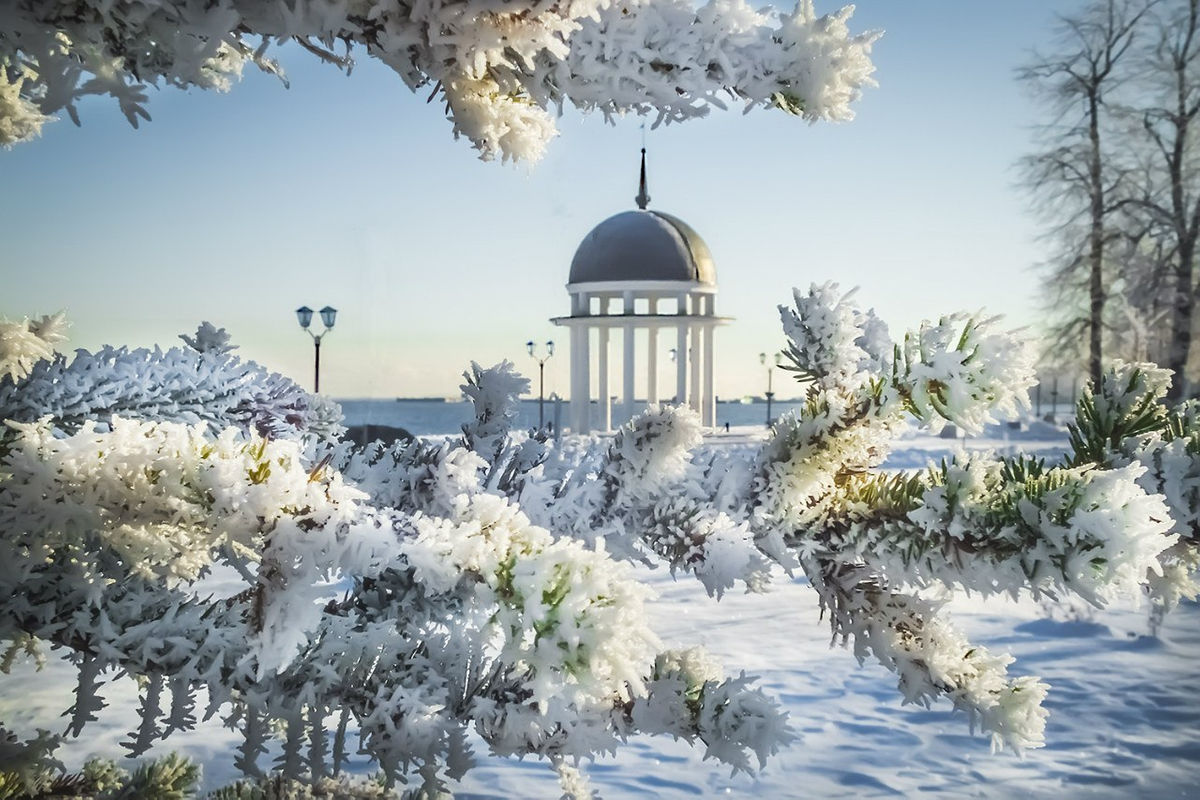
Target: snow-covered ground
1125, 706
1125, 710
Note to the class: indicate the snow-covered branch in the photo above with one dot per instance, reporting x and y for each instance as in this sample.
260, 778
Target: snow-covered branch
180, 384
905, 633
500, 66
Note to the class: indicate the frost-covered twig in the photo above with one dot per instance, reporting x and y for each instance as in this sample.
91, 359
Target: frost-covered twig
25, 343
906, 633
997, 526
495, 393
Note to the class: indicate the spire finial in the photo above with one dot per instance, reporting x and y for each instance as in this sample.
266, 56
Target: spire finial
643, 197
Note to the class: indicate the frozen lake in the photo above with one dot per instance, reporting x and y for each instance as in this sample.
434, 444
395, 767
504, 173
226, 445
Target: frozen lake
429, 417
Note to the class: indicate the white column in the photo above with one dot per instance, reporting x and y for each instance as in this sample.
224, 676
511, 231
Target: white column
710, 399
681, 364
581, 379
696, 401
585, 380
652, 355
577, 401
652, 364
605, 421
627, 411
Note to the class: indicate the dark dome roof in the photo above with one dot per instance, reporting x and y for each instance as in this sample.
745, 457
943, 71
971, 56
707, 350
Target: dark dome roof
643, 246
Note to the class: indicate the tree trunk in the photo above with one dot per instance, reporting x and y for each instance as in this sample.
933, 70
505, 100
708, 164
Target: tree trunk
1095, 242
1182, 312
1184, 218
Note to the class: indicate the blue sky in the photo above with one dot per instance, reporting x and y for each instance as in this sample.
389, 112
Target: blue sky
350, 191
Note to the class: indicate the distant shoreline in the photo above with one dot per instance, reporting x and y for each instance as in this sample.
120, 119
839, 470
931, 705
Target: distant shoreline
455, 400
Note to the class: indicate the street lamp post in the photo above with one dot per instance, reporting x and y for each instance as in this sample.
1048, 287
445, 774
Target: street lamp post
762, 359
674, 353
541, 378
305, 315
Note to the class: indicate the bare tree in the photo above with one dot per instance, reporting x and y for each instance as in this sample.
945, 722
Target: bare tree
1141, 296
1074, 178
1168, 196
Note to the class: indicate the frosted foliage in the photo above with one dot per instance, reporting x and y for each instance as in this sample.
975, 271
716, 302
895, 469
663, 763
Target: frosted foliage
808, 454
20, 119
502, 67
936, 657
164, 497
179, 384
807, 65
960, 370
209, 339
736, 721
497, 122
1124, 387
733, 719
874, 340
1173, 469
552, 634
963, 371
651, 451
1123, 422
574, 783
640, 496
495, 393
909, 635
987, 525
579, 606
1177, 578
695, 666
826, 337
24, 761
414, 476
279, 788
717, 549
24, 343
1130, 530
1093, 533
411, 593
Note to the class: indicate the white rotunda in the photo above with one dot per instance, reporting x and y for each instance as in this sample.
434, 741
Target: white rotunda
659, 275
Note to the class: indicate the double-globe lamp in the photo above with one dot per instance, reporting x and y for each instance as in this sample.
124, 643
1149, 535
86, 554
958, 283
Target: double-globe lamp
541, 377
305, 315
